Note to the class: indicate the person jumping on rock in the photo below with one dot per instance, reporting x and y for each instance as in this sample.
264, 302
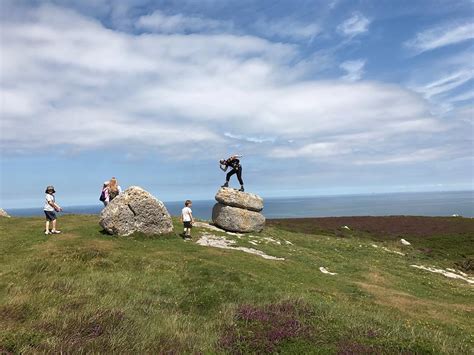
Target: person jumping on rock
234, 163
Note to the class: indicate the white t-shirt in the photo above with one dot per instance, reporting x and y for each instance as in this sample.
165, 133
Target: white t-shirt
47, 206
186, 213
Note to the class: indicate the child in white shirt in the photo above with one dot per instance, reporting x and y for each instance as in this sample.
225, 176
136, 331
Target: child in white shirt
50, 209
187, 218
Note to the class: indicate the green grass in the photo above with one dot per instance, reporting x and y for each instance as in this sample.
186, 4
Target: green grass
84, 291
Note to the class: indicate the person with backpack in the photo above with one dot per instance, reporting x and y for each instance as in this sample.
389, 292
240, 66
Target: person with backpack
113, 189
234, 163
104, 194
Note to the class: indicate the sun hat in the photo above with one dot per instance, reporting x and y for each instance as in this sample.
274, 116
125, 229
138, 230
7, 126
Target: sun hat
50, 188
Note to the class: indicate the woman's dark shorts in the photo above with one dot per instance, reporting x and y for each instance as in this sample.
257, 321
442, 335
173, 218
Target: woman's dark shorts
188, 225
50, 215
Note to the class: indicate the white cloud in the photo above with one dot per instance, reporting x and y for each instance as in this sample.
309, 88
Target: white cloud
94, 87
466, 96
354, 69
354, 25
179, 23
250, 139
446, 83
312, 151
419, 155
441, 36
288, 29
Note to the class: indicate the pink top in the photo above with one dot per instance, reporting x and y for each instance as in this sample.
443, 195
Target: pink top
105, 191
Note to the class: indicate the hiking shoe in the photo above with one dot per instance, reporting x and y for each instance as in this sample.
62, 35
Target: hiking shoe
225, 185
47, 232
55, 232
242, 189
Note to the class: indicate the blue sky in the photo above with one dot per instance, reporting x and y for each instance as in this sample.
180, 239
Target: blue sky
321, 97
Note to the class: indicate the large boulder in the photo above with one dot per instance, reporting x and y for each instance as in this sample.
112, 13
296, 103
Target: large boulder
235, 198
136, 210
235, 219
3, 213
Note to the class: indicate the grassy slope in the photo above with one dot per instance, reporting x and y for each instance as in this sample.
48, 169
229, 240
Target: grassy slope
84, 290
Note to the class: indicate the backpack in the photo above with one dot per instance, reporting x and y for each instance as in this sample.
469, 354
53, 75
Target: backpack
102, 196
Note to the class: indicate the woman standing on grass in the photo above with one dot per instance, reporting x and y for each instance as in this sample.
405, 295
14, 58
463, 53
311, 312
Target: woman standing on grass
113, 189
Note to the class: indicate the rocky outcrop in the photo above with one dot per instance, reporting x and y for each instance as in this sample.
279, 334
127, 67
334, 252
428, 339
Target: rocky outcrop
234, 198
3, 213
235, 219
136, 210
238, 211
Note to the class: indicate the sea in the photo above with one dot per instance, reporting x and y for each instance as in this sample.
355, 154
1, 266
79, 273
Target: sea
458, 203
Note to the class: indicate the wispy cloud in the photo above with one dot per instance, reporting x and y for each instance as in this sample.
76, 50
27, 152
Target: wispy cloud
250, 139
288, 29
446, 83
354, 25
179, 23
354, 69
440, 36
312, 151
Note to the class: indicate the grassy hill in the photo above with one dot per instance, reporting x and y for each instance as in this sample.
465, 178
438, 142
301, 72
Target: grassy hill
84, 291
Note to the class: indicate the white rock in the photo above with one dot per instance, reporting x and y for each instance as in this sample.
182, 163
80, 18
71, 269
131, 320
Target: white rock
405, 242
223, 243
446, 273
207, 226
325, 271
3, 213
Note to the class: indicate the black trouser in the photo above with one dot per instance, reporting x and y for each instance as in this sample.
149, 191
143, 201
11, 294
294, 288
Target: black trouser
237, 171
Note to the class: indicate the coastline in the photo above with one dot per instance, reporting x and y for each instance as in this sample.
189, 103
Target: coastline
429, 204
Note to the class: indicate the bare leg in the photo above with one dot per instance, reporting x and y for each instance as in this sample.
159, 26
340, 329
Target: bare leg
47, 226
54, 225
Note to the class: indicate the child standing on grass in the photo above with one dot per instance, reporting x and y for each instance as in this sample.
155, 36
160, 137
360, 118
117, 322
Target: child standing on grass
187, 218
50, 209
